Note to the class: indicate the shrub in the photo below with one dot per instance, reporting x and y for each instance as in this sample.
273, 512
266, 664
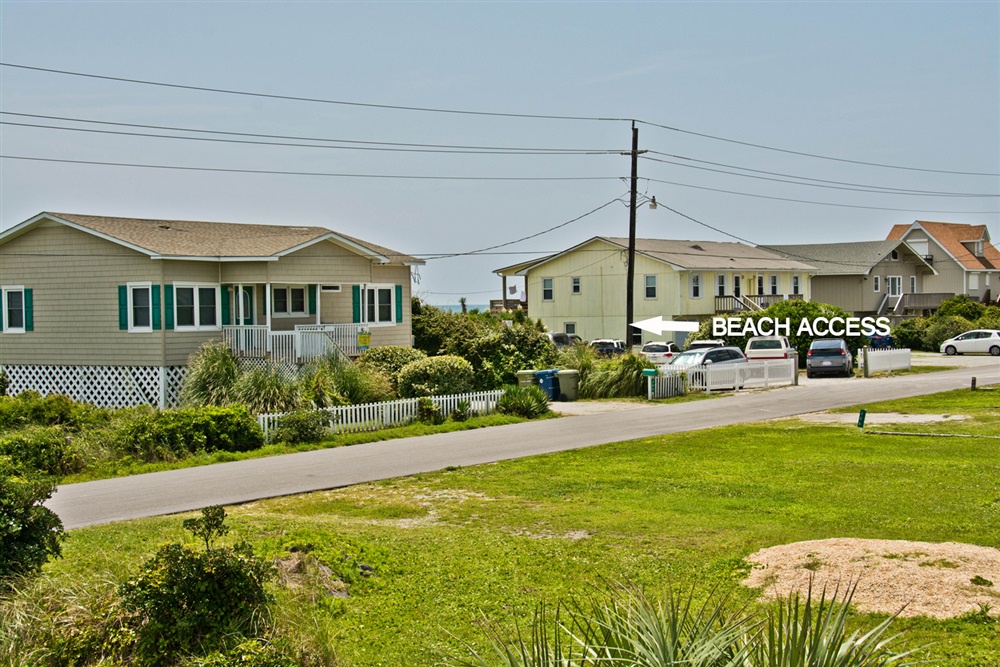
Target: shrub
4, 382
990, 319
616, 378
462, 412
250, 653
302, 426
186, 601
319, 389
428, 412
528, 402
44, 449
389, 360
211, 375
353, 382
29, 407
29, 532
170, 434
941, 329
910, 333
435, 376
961, 305
266, 389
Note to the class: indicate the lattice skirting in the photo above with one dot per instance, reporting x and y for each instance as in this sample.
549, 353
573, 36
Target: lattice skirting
104, 386
288, 371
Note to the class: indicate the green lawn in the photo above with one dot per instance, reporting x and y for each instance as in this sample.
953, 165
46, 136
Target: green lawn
451, 548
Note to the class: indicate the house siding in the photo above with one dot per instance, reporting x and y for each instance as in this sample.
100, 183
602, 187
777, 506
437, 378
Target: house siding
75, 277
951, 277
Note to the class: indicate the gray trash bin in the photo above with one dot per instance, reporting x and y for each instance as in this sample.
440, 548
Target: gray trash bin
569, 384
526, 378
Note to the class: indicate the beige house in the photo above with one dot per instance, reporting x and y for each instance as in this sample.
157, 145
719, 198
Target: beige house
964, 259
82, 293
582, 290
867, 277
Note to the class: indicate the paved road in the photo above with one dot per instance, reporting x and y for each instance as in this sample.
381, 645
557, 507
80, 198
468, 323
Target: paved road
154, 494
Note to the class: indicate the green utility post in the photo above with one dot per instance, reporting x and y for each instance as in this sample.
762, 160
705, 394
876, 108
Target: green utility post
861, 419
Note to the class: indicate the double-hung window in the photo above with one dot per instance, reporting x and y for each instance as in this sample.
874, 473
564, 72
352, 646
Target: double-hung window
720, 285
575, 284
796, 287
695, 285
16, 315
774, 284
379, 304
547, 291
760, 283
196, 306
876, 283
140, 307
289, 301
650, 284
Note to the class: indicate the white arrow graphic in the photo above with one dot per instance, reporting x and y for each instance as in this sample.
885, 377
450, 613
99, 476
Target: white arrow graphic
656, 325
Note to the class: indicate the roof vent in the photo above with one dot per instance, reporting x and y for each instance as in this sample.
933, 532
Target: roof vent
164, 226
698, 247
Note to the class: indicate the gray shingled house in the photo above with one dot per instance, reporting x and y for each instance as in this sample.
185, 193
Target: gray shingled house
109, 309
863, 277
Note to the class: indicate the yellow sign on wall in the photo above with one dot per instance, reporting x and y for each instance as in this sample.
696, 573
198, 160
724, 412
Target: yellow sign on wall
364, 340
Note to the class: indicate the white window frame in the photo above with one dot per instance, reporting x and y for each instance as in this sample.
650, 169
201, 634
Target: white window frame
575, 285
796, 285
287, 289
973, 280
760, 284
876, 283
569, 328
894, 256
913, 284
720, 284
198, 326
130, 288
775, 285
695, 283
550, 288
646, 286
889, 283
391, 322
6, 312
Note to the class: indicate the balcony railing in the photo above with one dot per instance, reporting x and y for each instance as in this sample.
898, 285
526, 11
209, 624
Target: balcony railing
302, 345
748, 303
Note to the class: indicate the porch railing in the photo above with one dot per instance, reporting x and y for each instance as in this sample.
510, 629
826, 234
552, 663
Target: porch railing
750, 302
301, 345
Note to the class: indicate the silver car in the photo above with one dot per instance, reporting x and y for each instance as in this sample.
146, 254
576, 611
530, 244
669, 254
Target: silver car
697, 362
829, 355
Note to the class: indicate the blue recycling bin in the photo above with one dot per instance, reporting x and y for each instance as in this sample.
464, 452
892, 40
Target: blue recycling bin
549, 383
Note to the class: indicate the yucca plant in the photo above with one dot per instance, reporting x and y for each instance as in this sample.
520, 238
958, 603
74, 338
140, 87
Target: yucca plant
353, 382
803, 633
529, 402
548, 644
211, 374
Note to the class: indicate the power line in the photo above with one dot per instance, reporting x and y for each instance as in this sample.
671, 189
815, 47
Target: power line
316, 100
815, 203
363, 145
314, 173
814, 155
888, 191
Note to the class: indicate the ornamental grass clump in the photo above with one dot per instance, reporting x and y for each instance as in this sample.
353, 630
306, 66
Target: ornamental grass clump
616, 378
211, 375
528, 402
267, 389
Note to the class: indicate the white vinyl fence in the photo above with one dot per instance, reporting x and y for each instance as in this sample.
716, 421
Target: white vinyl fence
375, 416
876, 361
754, 374
103, 386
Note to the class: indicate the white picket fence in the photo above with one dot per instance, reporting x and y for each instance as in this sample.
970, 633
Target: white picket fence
883, 360
754, 374
103, 386
375, 416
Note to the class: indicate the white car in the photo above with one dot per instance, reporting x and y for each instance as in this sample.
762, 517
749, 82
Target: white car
978, 341
659, 352
768, 347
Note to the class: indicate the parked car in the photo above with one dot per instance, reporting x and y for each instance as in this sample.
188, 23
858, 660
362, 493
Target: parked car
978, 341
829, 355
695, 363
706, 343
768, 347
880, 342
659, 352
608, 347
561, 340
576, 340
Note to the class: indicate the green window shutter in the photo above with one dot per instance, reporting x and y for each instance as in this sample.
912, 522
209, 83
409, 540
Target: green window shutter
356, 303
123, 307
155, 299
312, 299
29, 311
399, 304
1, 311
168, 307
225, 305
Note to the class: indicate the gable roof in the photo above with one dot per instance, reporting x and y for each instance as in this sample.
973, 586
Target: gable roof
196, 240
687, 255
854, 258
950, 235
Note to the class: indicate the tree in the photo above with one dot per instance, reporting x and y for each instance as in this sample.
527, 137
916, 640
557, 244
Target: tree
30, 534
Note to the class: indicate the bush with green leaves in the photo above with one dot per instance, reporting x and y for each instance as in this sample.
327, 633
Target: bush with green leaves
941, 329
45, 449
172, 434
302, 426
355, 383
528, 402
436, 376
428, 412
910, 333
961, 305
389, 360
462, 412
31, 408
211, 375
265, 389
30, 533
186, 601
620, 377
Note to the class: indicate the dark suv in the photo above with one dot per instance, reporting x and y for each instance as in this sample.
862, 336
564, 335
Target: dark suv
829, 355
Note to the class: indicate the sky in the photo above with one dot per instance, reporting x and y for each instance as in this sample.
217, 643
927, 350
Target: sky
899, 84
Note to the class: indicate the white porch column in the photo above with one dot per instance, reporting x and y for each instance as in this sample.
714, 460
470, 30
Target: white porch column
319, 294
267, 305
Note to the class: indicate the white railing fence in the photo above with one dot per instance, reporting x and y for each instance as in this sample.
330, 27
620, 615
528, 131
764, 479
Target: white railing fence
343, 336
103, 386
375, 416
763, 374
876, 361
301, 345
667, 385
246, 340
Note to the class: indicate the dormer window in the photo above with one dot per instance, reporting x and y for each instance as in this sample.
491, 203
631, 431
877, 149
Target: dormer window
894, 255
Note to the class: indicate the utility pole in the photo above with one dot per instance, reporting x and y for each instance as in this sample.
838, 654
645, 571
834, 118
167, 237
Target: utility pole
630, 287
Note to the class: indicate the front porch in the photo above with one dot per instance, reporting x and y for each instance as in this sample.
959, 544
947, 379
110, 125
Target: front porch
301, 345
747, 303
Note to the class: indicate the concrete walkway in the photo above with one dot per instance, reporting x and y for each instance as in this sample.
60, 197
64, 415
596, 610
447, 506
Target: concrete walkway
153, 494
